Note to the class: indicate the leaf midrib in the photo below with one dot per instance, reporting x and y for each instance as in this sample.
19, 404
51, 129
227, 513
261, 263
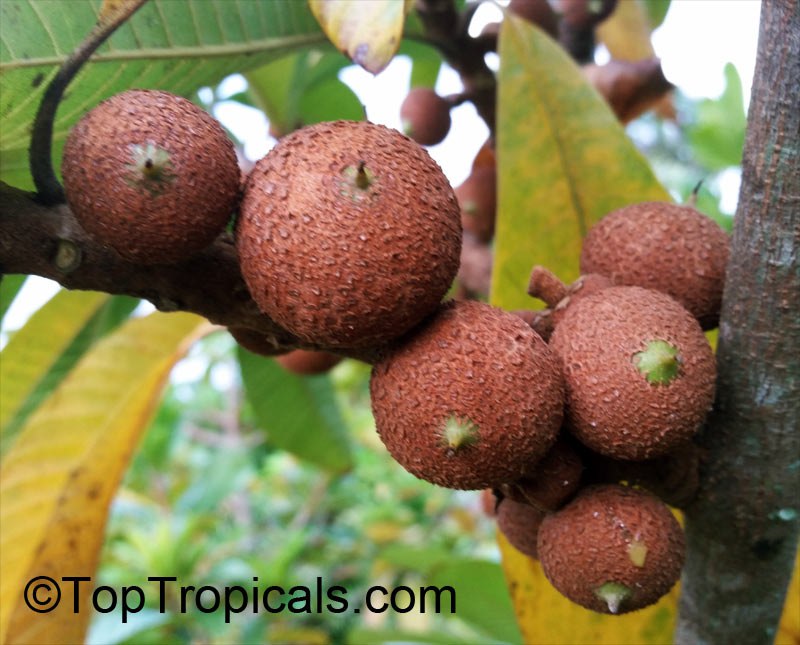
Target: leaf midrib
204, 52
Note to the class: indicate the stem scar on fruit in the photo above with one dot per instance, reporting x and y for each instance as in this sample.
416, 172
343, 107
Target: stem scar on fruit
358, 180
659, 363
150, 167
458, 432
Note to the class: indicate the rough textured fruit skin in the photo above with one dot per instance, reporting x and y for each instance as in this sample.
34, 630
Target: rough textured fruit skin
307, 363
425, 116
666, 247
577, 291
520, 524
150, 221
549, 482
341, 266
586, 544
611, 407
481, 364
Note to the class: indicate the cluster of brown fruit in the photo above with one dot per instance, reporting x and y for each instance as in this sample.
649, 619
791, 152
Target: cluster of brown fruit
349, 236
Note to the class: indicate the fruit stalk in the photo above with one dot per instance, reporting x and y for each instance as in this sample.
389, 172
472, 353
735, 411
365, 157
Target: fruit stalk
735, 579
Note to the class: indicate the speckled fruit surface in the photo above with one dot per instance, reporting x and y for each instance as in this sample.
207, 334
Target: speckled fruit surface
666, 247
471, 400
612, 407
349, 234
612, 539
151, 175
520, 524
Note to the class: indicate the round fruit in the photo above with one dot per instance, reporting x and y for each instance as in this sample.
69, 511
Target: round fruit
472, 400
639, 372
425, 116
477, 197
551, 481
666, 247
349, 234
520, 524
151, 175
613, 549
306, 362
257, 342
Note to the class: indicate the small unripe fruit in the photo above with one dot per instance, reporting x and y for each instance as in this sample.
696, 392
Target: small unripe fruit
425, 116
472, 400
257, 342
151, 175
613, 549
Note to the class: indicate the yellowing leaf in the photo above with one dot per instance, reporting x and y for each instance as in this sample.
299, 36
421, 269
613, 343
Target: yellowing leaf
59, 478
626, 33
789, 627
33, 350
563, 162
117, 11
369, 33
546, 617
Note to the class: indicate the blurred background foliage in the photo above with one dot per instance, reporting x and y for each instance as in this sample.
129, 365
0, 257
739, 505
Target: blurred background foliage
247, 471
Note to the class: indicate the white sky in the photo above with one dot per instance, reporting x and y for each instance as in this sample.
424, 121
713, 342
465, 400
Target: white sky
696, 40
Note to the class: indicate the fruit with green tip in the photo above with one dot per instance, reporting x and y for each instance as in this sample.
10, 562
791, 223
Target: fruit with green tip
151, 175
473, 399
662, 246
613, 549
349, 234
425, 116
639, 372
477, 196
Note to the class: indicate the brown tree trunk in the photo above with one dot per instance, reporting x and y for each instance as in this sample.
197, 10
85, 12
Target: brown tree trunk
743, 530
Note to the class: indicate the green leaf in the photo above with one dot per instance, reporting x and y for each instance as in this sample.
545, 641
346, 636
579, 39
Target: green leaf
368, 32
656, 11
563, 162
717, 134
364, 636
174, 46
9, 288
303, 89
426, 62
482, 598
299, 413
58, 480
33, 350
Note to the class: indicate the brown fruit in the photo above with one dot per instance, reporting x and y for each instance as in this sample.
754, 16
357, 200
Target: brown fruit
520, 524
472, 400
551, 481
639, 372
151, 175
666, 247
613, 549
349, 234
585, 14
306, 362
425, 116
477, 196
257, 342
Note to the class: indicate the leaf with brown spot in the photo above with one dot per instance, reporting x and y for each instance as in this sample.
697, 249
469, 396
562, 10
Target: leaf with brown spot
369, 33
60, 476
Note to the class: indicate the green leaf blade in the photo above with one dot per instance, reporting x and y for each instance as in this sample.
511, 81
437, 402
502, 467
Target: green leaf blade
300, 414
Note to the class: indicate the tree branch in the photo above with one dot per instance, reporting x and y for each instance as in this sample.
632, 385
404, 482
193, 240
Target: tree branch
743, 529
